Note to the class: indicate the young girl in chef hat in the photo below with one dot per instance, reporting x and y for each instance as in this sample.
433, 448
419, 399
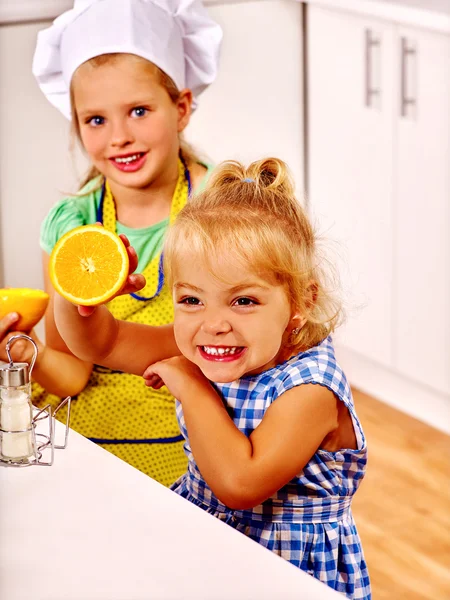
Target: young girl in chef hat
275, 447
127, 74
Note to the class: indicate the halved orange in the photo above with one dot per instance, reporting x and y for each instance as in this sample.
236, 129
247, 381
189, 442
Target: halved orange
30, 304
89, 265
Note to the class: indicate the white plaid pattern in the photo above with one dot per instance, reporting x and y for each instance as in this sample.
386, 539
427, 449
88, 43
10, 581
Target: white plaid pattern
309, 521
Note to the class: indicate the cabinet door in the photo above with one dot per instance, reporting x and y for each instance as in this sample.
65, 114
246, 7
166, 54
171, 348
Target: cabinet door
422, 240
350, 171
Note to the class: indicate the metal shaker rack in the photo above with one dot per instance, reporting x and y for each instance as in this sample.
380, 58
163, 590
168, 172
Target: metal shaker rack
44, 445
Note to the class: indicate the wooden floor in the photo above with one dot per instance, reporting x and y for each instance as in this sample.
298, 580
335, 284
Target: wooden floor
402, 509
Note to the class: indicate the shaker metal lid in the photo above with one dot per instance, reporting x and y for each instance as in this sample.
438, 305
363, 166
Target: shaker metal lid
14, 375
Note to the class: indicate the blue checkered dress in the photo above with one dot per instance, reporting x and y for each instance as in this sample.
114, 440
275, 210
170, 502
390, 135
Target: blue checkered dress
309, 521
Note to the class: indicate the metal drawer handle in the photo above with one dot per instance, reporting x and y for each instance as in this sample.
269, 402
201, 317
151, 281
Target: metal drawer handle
407, 51
371, 92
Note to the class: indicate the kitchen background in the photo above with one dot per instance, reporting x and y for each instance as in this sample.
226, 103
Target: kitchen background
355, 96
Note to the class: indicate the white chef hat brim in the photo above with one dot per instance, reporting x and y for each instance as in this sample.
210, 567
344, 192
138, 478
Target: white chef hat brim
176, 35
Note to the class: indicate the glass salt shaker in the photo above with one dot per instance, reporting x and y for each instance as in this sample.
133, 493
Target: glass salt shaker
17, 438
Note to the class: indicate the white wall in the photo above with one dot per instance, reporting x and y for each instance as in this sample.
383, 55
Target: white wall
255, 106
253, 109
35, 165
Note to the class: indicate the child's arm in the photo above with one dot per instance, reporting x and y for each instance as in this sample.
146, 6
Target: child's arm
56, 369
101, 339
241, 471
95, 336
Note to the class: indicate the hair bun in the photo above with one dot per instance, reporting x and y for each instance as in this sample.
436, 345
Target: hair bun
271, 173
228, 172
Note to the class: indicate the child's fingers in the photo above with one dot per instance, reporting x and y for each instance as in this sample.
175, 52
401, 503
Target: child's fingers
7, 321
133, 258
150, 371
156, 386
86, 311
153, 380
152, 377
134, 283
124, 239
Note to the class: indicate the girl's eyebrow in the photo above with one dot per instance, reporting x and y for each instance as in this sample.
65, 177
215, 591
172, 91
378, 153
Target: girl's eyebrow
90, 112
87, 112
181, 284
148, 101
233, 290
249, 285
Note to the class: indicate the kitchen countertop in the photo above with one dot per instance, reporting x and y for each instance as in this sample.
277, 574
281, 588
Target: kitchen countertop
91, 527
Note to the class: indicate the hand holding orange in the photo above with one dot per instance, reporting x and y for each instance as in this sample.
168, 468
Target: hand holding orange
89, 265
28, 303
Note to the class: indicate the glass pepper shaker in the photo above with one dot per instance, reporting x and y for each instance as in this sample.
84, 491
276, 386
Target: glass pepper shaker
17, 439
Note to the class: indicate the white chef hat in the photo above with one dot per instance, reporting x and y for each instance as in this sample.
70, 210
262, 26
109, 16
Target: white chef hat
177, 36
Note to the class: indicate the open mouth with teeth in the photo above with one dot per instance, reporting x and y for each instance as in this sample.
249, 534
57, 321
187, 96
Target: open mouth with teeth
221, 353
130, 162
128, 159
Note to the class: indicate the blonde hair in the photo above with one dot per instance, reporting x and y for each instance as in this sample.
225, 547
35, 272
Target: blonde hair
252, 216
188, 154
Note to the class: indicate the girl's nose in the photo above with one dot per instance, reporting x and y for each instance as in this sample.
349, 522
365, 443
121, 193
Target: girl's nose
121, 134
216, 325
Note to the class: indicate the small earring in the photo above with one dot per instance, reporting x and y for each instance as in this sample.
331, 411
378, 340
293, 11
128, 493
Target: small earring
295, 331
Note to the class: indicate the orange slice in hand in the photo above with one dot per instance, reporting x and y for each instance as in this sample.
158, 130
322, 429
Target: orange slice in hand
89, 265
30, 304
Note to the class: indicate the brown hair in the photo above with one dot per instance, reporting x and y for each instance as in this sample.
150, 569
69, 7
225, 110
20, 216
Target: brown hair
187, 152
251, 214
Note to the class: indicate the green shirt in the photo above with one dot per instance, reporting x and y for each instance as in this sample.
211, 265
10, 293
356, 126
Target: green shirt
73, 212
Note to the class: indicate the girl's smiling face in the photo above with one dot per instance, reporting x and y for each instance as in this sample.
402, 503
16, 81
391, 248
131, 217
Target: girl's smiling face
128, 124
230, 329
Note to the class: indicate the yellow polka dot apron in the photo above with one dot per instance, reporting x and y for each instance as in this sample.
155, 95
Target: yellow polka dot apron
116, 410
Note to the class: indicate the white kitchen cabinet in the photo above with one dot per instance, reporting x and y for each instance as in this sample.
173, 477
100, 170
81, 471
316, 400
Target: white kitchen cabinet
378, 181
422, 210
350, 139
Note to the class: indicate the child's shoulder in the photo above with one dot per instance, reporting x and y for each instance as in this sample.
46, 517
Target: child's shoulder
318, 365
68, 213
311, 359
201, 173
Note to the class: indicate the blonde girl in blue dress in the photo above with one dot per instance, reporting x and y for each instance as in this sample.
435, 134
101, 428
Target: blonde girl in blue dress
127, 74
275, 447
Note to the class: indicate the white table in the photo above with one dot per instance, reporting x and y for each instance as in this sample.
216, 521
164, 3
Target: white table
90, 527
